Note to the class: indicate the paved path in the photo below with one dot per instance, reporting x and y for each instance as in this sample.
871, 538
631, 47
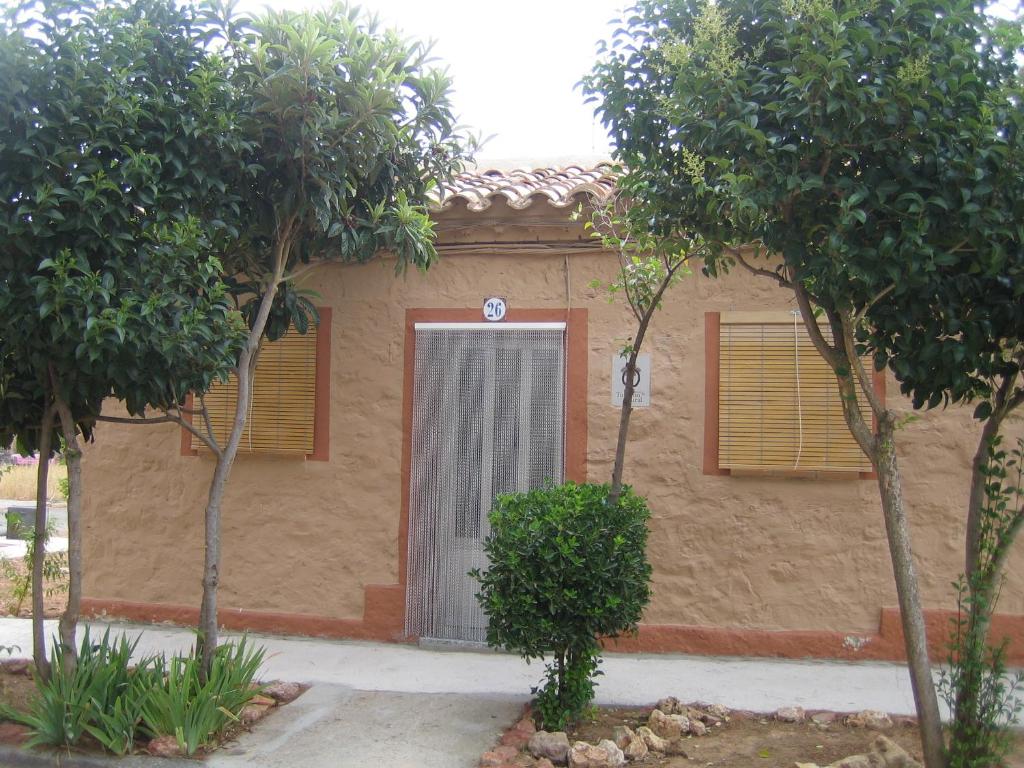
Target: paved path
399, 706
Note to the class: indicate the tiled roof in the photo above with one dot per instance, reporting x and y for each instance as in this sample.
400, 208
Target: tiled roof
559, 187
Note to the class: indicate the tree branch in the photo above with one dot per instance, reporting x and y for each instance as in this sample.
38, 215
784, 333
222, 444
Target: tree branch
866, 384
132, 419
878, 297
759, 271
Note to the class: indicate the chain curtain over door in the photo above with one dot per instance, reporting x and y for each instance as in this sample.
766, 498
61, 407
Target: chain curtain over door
488, 418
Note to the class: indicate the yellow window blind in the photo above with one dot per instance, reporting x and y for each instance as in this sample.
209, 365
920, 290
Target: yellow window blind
283, 404
779, 405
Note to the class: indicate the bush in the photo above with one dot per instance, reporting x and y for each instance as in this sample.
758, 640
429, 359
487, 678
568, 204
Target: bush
566, 568
105, 696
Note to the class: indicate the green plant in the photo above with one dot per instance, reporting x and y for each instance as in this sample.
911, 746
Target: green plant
20, 578
567, 567
981, 697
194, 711
13, 520
67, 703
102, 694
63, 487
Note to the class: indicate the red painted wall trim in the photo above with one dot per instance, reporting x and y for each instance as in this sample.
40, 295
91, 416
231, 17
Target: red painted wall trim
378, 622
322, 389
383, 620
712, 329
321, 396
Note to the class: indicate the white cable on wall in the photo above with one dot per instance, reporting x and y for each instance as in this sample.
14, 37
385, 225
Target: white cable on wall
799, 404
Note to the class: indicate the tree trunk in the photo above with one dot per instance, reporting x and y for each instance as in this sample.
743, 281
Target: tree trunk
627, 395
912, 616
39, 535
208, 624
206, 642
73, 455
881, 449
624, 416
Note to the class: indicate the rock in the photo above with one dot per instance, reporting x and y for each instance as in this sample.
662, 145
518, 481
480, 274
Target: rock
615, 756
697, 728
515, 738
252, 713
622, 735
636, 749
164, 746
13, 733
653, 741
885, 753
789, 714
283, 692
554, 746
262, 701
893, 754
669, 705
16, 666
871, 719
526, 726
855, 761
544, 763
666, 726
603, 755
499, 756
703, 716
824, 718
718, 710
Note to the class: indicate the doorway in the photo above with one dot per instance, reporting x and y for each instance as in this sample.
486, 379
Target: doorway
488, 418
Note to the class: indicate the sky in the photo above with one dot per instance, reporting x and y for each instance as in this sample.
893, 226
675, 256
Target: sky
514, 65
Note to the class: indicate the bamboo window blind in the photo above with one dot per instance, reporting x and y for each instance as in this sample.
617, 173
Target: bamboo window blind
283, 403
779, 405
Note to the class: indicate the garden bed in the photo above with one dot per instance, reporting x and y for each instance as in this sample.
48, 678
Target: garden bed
789, 738
18, 689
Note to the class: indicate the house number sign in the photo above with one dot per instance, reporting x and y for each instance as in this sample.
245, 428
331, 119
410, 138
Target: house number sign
495, 309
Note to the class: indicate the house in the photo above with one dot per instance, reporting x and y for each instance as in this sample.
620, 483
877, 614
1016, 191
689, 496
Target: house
359, 501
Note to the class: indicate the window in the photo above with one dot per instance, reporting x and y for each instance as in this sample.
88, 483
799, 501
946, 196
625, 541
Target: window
777, 403
289, 403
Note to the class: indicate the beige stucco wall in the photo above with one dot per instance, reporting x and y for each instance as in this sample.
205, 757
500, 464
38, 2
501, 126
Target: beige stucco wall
742, 552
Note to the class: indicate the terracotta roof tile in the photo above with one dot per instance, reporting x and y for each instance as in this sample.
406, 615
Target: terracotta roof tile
559, 187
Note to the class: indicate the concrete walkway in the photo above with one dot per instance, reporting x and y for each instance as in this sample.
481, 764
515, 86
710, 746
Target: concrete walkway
400, 706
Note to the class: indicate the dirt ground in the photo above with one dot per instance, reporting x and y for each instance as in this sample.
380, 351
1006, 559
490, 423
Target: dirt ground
757, 740
16, 685
53, 603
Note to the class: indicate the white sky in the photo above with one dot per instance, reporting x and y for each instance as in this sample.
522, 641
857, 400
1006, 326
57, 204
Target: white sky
513, 65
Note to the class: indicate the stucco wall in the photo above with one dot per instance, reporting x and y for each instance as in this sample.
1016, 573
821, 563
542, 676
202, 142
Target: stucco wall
741, 552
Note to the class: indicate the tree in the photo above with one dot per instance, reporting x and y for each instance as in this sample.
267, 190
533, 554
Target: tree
873, 149
113, 121
348, 127
648, 267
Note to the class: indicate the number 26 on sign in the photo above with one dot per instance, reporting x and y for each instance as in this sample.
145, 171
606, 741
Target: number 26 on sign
495, 309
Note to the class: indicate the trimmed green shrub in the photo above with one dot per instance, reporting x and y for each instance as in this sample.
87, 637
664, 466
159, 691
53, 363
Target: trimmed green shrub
566, 568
